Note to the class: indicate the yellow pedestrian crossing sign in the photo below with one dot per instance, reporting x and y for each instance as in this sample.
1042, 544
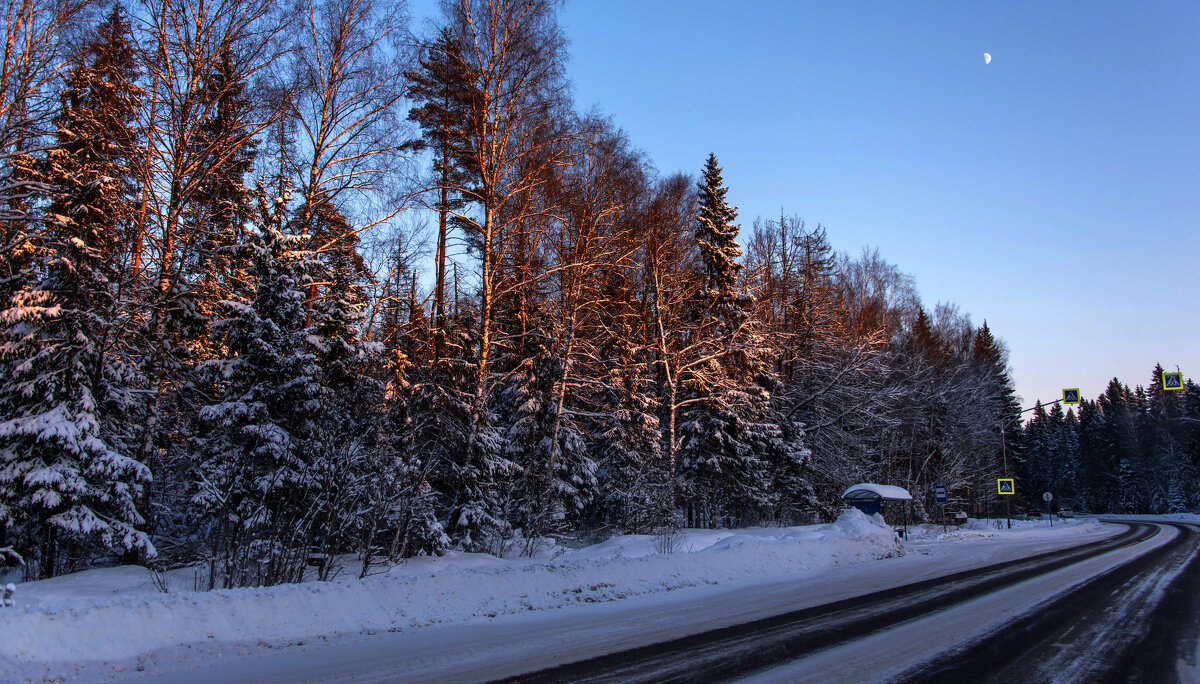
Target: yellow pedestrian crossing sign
1006, 486
1071, 396
1172, 381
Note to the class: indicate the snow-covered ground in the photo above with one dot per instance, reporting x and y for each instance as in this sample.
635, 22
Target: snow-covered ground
97, 623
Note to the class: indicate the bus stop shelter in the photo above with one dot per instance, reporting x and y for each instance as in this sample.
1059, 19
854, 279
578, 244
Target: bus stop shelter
868, 497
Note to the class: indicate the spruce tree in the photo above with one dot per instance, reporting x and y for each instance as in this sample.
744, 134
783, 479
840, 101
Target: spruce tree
1162, 439
724, 472
635, 491
258, 458
1190, 438
403, 505
1095, 472
999, 395
222, 205
716, 234
214, 271
68, 483
558, 475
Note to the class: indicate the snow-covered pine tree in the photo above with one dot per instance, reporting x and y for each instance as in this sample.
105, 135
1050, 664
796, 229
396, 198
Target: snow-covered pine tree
427, 434
403, 502
1128, 500
257, 465
716, 234
222, 205
348, 468
422, 427
68, 484
213, 272
1094, 476
1190, 417
635, 488
480, 485
1040, 446
774, 449
29, 85
179, 156
1068, 485
782, 445
1062, 450
514, 54
557, 475
1177, 500
1166, 466
996, 389
1113, 445
722, 476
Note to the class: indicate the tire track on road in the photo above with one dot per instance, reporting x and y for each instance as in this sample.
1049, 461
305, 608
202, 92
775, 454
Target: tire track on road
1135, 622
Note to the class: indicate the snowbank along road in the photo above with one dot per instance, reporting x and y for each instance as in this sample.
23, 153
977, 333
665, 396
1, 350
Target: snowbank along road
843, 601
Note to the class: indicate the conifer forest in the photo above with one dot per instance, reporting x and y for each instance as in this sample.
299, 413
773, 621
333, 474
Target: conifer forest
284, 281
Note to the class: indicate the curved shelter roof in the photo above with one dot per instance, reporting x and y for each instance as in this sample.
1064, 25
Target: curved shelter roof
869, 491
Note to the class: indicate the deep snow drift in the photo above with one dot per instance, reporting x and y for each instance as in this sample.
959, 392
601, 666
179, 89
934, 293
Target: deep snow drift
114, 615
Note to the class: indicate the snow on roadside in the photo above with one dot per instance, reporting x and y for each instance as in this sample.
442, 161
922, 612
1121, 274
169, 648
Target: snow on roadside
997, 527
117, 613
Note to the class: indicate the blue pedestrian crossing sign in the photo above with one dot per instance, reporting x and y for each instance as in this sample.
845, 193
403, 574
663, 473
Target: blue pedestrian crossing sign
1071, 396
1172, 381
940, 492
1006, 486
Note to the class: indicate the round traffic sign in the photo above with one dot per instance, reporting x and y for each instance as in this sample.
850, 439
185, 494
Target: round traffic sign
1047, 497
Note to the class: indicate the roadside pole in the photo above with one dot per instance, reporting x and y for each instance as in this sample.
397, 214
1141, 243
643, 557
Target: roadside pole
1048, 497
1004, 464
1007, 487
939, 493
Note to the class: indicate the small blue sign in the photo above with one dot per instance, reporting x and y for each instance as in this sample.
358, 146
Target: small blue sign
940, 492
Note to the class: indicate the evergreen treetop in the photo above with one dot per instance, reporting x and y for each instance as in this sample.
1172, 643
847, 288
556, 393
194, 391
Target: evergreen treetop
717, 233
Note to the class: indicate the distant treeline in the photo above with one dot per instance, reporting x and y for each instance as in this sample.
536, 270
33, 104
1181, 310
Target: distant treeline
1127, 451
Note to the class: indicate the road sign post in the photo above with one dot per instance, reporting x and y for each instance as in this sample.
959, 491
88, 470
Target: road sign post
939, 493
1006, 487
1048, 497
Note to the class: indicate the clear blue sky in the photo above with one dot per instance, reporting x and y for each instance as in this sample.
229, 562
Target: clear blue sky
1054, 192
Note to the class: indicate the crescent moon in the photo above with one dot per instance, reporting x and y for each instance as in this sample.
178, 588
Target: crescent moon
987, 58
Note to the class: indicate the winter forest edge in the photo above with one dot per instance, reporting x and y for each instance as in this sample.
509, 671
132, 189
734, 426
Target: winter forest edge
225, 339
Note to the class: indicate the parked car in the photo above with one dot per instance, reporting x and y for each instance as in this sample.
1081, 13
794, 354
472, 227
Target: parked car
1066, 513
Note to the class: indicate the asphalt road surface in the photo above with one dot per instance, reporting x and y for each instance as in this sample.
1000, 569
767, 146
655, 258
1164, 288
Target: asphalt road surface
1130, 613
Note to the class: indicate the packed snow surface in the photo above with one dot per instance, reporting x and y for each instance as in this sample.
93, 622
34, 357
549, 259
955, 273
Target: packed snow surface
114, 615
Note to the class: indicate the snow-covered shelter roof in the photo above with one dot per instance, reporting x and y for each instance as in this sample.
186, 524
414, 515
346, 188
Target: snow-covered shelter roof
869, 491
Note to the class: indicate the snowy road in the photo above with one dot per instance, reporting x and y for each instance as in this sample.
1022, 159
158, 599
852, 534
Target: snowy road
1092, 613
1036, 612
